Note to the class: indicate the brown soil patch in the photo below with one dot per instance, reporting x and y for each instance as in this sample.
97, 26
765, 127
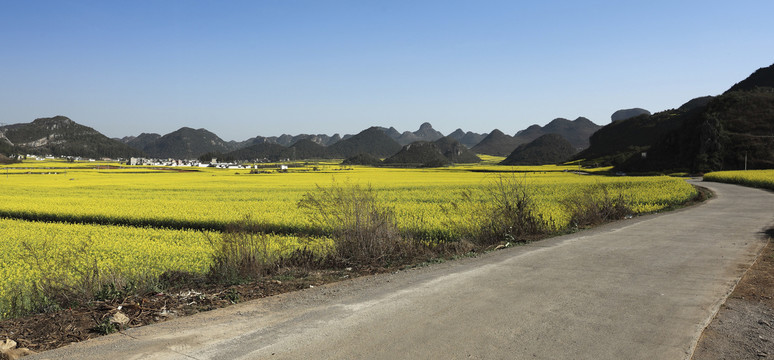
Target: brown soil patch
56, 329
744, 326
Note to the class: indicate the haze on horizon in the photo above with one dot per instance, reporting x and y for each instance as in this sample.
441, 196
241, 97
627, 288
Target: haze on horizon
247, 68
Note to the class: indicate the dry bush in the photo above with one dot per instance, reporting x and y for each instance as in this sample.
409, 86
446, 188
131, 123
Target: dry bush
363, 228
243, 253
588, 210
507, 212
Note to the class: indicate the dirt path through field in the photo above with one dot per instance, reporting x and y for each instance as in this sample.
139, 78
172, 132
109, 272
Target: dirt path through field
637, 289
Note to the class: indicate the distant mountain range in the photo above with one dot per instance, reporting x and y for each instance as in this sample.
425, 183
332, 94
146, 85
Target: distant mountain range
577, 132
469, 139
728, 131
441, 152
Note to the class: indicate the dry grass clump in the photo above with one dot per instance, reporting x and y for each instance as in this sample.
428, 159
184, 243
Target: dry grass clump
363, 227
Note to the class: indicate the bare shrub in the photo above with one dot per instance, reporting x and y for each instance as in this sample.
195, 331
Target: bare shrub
507, 212
363, 228
595, 207
242, 253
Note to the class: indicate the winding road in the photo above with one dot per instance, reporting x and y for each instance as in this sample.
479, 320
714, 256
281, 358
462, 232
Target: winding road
642, 288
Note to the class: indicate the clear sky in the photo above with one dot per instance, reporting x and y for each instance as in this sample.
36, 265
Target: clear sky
267, 67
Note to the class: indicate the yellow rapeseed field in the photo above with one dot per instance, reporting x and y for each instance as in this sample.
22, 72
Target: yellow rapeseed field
142, 221
755, 178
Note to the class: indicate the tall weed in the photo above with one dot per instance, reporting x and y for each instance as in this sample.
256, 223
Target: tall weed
363, 227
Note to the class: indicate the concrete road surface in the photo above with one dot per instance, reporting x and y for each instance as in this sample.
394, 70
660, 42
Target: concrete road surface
642, 288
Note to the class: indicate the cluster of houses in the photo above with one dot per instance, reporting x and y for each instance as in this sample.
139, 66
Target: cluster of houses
52, 157
192, 163
137, 161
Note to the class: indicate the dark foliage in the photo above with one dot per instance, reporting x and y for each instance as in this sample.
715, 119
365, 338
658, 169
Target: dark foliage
362, 159
305, 148
262, 152
496, 143
547, 149
455, 151
419, 154
370, 141
625, 114
186, 143
143, 140
577, 131
471, 139
614, 143
763, 77
732, 126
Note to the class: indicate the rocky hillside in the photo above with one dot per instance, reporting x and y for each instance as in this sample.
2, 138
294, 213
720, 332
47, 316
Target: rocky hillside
60, 136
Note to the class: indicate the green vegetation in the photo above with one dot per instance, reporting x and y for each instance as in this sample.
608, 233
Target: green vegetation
60, 136
547, 149
763, 179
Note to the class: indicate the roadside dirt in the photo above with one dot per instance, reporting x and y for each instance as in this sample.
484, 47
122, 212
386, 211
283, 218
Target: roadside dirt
48, 331
744, 326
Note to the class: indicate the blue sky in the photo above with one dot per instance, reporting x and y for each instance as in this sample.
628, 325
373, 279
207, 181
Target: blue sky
247, 68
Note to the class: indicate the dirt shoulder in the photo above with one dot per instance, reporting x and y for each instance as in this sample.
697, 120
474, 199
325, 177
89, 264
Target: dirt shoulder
744, 326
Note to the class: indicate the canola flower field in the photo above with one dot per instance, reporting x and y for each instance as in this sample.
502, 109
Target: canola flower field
138, 222
754, 178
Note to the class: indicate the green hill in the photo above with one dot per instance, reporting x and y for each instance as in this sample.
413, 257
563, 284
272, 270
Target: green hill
60, 136
141, 141
362, 159
763, 77
496, 143
455, 151
577, 131
731, 127
371, 141
306, 148
186, 143
703, 135
419, 154
262, 152
547, 149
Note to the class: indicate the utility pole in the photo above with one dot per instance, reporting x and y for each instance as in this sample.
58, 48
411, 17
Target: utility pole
745, 160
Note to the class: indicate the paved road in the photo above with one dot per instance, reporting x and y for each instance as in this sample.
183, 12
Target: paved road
638, 289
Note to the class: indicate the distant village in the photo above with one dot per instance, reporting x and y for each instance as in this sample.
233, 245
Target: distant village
193, 163
139, 161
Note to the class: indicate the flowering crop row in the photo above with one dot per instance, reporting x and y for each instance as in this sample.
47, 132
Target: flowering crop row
755, 178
